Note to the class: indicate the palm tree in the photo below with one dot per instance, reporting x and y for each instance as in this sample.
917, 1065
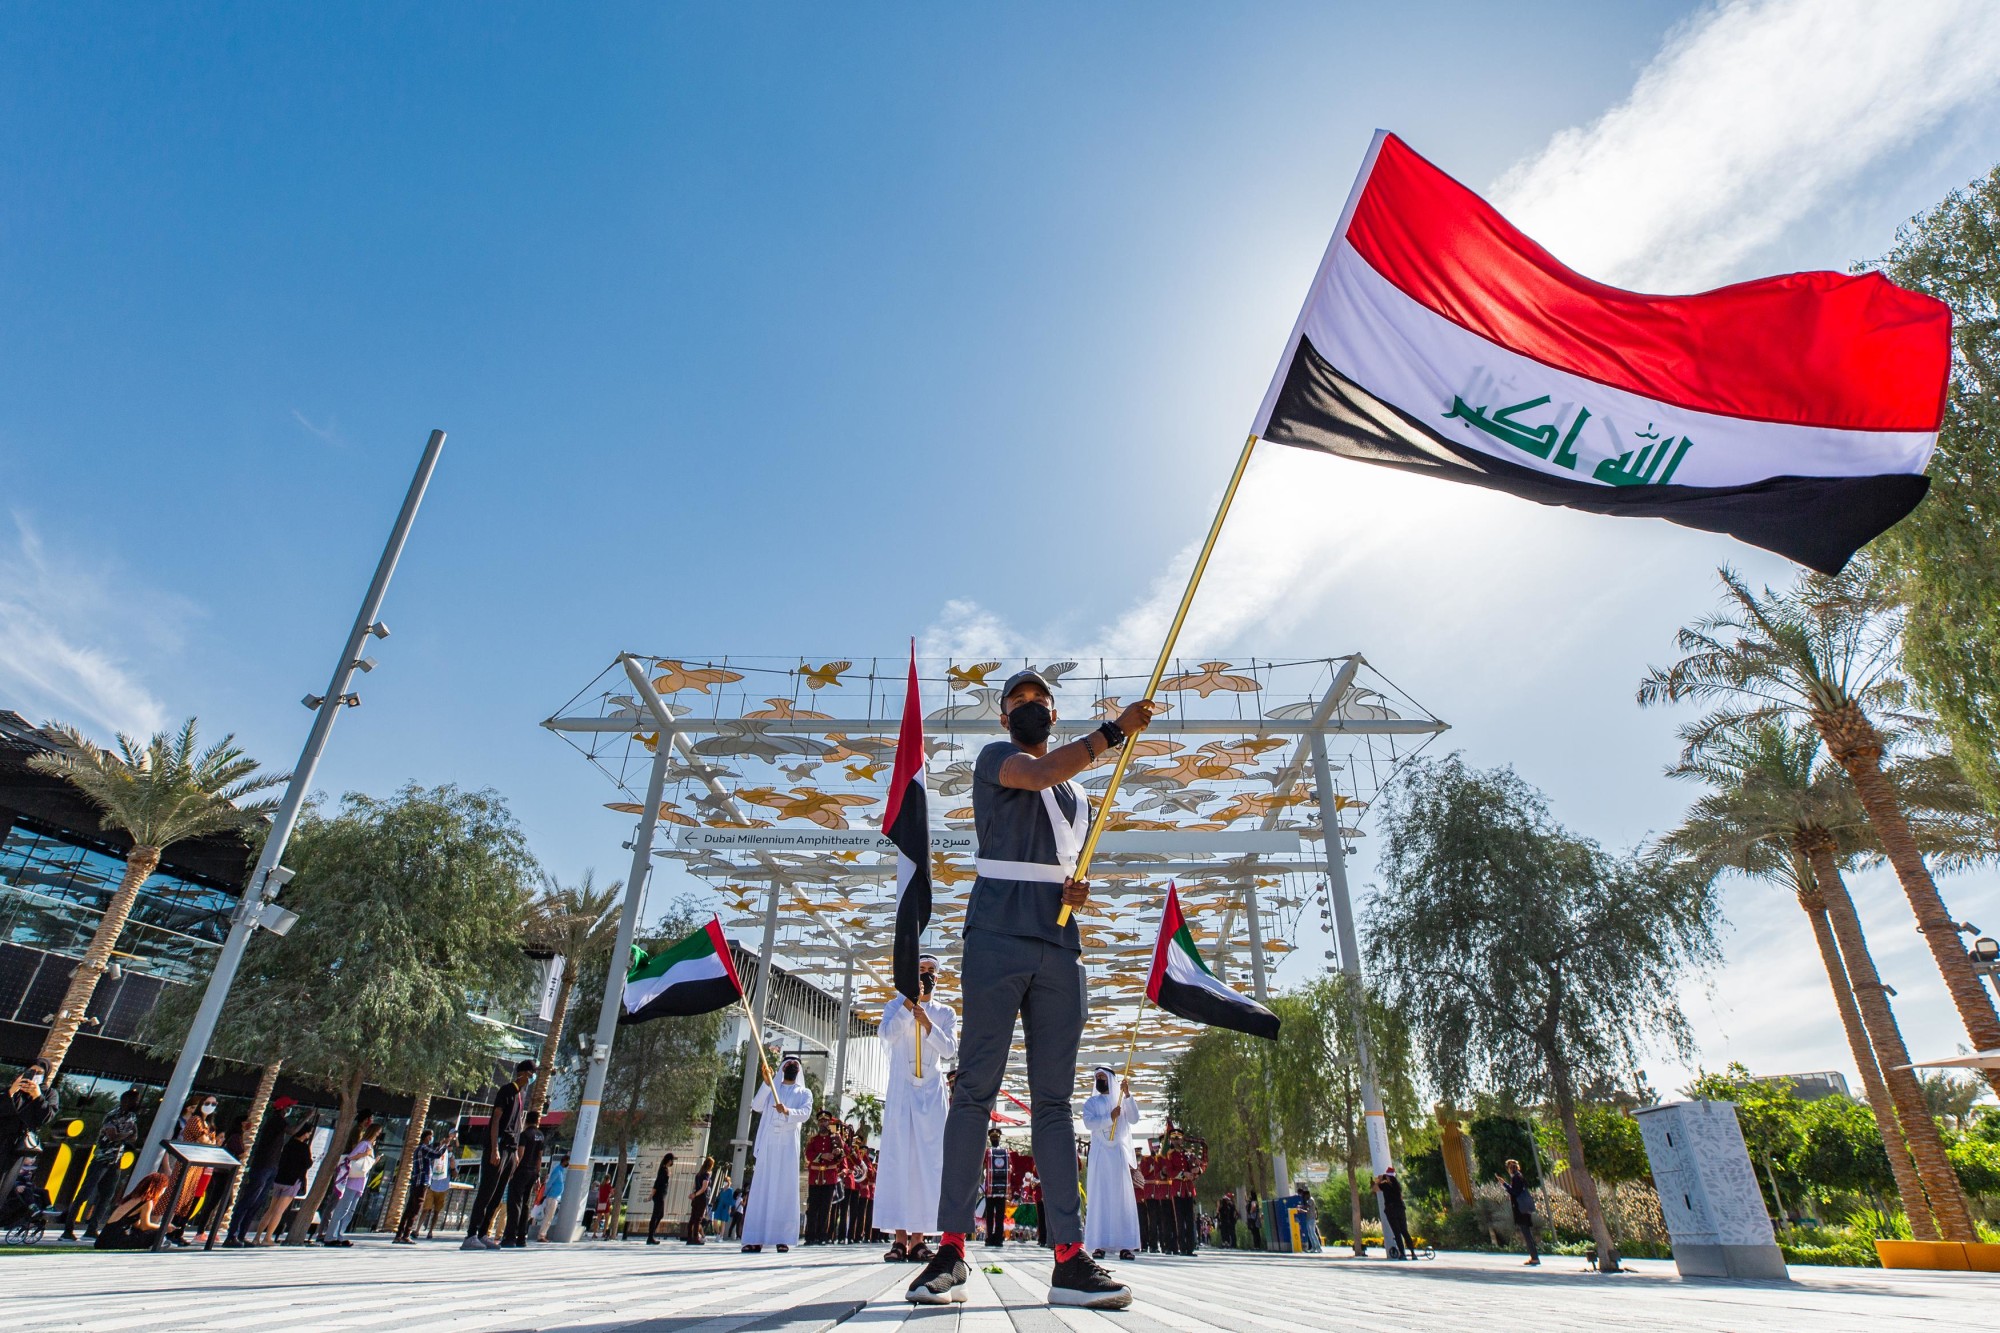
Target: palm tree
157, 795
1775, 809
1825, 652
577, 923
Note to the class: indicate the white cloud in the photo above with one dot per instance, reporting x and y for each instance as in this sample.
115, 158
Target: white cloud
1748, 120
57, 654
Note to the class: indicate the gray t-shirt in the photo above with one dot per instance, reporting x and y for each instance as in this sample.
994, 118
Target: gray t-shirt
1013, 825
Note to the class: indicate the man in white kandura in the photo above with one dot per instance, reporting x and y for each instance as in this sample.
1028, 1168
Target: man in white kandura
773, 1215
1111, 1216
913, 1115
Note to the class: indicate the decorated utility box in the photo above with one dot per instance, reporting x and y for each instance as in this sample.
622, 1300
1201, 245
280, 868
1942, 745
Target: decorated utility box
1708, 1191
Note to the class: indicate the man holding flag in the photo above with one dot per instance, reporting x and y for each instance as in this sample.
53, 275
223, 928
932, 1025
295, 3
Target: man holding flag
1021, 961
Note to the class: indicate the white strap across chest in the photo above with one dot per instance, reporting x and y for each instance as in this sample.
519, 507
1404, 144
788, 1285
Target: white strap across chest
1069, 844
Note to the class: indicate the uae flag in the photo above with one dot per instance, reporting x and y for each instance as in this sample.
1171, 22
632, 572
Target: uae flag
1182, 985
1794, 413
695, 976
906, 821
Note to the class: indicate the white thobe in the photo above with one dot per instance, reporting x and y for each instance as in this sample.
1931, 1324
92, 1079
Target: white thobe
772, 1217
1111, 1212
913, 1116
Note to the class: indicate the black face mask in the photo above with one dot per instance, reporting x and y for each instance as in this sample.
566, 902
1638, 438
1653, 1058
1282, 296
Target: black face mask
926, 983
1029, 723
1103, 1083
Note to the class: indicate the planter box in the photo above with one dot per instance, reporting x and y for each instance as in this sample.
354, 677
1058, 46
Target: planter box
1982, 1256
1942, 1255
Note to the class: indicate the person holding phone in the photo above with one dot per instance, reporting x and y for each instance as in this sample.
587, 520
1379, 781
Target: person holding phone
30, 1104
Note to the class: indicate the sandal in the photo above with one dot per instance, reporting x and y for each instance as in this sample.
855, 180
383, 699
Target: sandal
897, 1254
923, 1254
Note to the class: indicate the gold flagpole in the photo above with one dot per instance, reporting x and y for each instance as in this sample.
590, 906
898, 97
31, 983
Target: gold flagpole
1159, 669
1132, 1046
756, 1037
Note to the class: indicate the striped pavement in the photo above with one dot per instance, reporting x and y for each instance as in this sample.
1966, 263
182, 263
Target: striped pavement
633, 1288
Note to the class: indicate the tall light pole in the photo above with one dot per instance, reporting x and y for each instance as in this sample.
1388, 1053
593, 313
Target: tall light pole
255, 907
576, 1183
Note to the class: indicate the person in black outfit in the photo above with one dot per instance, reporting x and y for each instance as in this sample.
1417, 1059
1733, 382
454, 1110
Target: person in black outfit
1395, 1222
660, 1187
521, 1186
1253, 1218
501, 1153
1523, 1200
1225, 1220
119, 1131
694, 1233
998, 1163
27, 1107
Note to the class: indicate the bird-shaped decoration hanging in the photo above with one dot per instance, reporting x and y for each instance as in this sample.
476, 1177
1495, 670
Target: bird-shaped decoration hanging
667, 811
865, 772
676, 676
964, 678
1213, 676
819, 677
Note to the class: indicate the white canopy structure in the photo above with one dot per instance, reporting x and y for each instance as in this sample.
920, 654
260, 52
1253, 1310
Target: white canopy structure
772, 775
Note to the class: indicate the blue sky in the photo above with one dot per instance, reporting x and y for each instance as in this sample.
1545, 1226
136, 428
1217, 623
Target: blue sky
732, 312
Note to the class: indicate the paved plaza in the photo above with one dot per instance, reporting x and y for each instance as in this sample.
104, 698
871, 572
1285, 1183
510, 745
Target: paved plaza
673, 1289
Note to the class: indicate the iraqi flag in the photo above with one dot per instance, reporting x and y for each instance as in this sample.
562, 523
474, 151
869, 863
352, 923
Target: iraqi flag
1182, 985
695, 976
906, 821
1794, 413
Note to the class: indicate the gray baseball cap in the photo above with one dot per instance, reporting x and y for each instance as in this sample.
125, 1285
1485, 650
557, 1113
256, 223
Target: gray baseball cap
1020, 678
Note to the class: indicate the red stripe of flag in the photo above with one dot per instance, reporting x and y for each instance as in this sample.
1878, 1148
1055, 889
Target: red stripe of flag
1809, 349
1170, 926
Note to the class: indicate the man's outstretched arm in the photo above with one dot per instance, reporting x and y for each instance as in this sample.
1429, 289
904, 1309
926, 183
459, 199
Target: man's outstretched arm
1030, 773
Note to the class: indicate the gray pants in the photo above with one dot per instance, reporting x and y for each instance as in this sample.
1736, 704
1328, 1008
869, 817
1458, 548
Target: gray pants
1003, 976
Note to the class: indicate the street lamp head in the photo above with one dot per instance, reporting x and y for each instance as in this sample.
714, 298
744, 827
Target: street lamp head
1986, 949
313, 700
364, 664
379, 630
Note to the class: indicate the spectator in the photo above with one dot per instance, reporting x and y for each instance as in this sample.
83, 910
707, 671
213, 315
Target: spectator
258, 1173
606, 1223
1225, 1221
697, 1224
134, 1221
499, 1155
28, 1107
352, 1181
527, 1179
119, 1131
552, 1195
1395, 1221
421, 1161
294, 1163
437, 1186
1253, 1217
1523, 1200
197, 1125
661, 1184
724, 1206
736, 1211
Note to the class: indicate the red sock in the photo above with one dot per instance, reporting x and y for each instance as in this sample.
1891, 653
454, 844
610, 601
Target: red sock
1065, 1253
953, 1240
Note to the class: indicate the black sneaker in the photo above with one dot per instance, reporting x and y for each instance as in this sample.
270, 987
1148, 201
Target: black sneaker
942, 1281
1078, 1280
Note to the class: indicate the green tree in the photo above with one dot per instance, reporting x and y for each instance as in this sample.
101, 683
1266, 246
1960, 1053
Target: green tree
1951, 1097
1977, 1162
1521, 953
1776, 810
408, 909
1316, 1076
1824, 652
1499, 1139
1939, 560
1839, 1150
166, 791
1612, 1145
578, 924
1219, 1089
